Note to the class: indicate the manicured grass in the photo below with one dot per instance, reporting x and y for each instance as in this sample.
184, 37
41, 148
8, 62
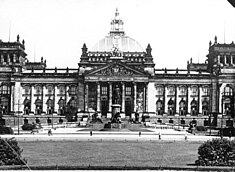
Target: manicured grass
110, 153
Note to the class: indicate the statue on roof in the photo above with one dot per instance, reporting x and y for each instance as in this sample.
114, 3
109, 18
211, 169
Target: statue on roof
116, 52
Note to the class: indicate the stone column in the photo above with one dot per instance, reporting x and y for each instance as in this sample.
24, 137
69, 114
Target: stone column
177, 99
98, 97
123, 97
110, 96
225, 60
14, 58
134, 84
86, 96
188, 100
56, 99
44, 99
146, 97
165, 99
66, 94
232, 62
200, 99
220, 99
8, 59
2, 59
32, 100
18, 97
12, 98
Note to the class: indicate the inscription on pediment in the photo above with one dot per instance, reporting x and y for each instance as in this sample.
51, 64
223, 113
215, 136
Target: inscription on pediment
115, 70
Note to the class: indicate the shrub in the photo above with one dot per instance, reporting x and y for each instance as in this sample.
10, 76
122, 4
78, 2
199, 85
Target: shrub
28, 127
10, 152
218, 152
6, 130
201, 128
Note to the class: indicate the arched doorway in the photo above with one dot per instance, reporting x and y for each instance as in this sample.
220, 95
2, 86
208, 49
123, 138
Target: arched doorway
228, 101
4, 105
38, 105
194, 107
27, 106
61, 109
159, 107
205, 107
182, 107
50, 106
171, 107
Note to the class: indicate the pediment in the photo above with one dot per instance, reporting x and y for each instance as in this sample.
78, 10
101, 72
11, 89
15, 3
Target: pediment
116, 69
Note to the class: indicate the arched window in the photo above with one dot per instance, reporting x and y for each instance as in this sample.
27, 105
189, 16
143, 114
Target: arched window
228, 91
228, 101
159, 107
4, 89
171, 107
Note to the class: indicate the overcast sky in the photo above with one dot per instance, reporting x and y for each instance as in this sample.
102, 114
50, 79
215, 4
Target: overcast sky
176, 29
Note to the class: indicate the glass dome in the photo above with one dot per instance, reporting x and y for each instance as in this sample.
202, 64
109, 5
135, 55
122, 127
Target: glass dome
124, 44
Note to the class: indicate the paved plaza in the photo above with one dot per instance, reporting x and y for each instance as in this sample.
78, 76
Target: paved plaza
75, 133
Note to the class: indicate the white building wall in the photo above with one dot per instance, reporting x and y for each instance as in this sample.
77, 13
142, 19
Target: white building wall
151, 98
18, 100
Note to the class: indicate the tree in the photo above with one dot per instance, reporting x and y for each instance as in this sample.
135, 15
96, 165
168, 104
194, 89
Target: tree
218, 152
10, 152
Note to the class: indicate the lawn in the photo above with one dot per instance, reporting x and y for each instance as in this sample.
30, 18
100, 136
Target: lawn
110, 153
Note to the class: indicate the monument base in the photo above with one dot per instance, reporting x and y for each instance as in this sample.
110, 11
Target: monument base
116, 108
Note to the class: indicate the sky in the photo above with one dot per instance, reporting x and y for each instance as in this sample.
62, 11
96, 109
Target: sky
177, 30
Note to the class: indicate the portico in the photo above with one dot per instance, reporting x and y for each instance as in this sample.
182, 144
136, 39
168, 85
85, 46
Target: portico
103, 92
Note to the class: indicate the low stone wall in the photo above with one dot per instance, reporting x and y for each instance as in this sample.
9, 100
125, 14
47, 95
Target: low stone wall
13, 121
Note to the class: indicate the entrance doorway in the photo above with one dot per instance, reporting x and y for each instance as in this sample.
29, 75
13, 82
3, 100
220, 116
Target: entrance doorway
128, 106
104, 107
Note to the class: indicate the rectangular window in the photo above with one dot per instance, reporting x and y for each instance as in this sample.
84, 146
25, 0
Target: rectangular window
171, 91
128, 91
160, 91
194, 91
104, 90
205, 91
72, 90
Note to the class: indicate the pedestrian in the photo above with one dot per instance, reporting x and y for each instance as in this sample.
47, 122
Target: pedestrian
90, 133
49, 132
230, 134
186, 136
139, 134
159, 135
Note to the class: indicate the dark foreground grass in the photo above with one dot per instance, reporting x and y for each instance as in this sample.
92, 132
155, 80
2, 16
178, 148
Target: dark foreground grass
110, 153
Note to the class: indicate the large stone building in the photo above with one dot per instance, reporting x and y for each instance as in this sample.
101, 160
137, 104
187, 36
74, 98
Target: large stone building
117, 70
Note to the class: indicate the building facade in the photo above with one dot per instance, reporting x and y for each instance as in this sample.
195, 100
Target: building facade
117, 70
